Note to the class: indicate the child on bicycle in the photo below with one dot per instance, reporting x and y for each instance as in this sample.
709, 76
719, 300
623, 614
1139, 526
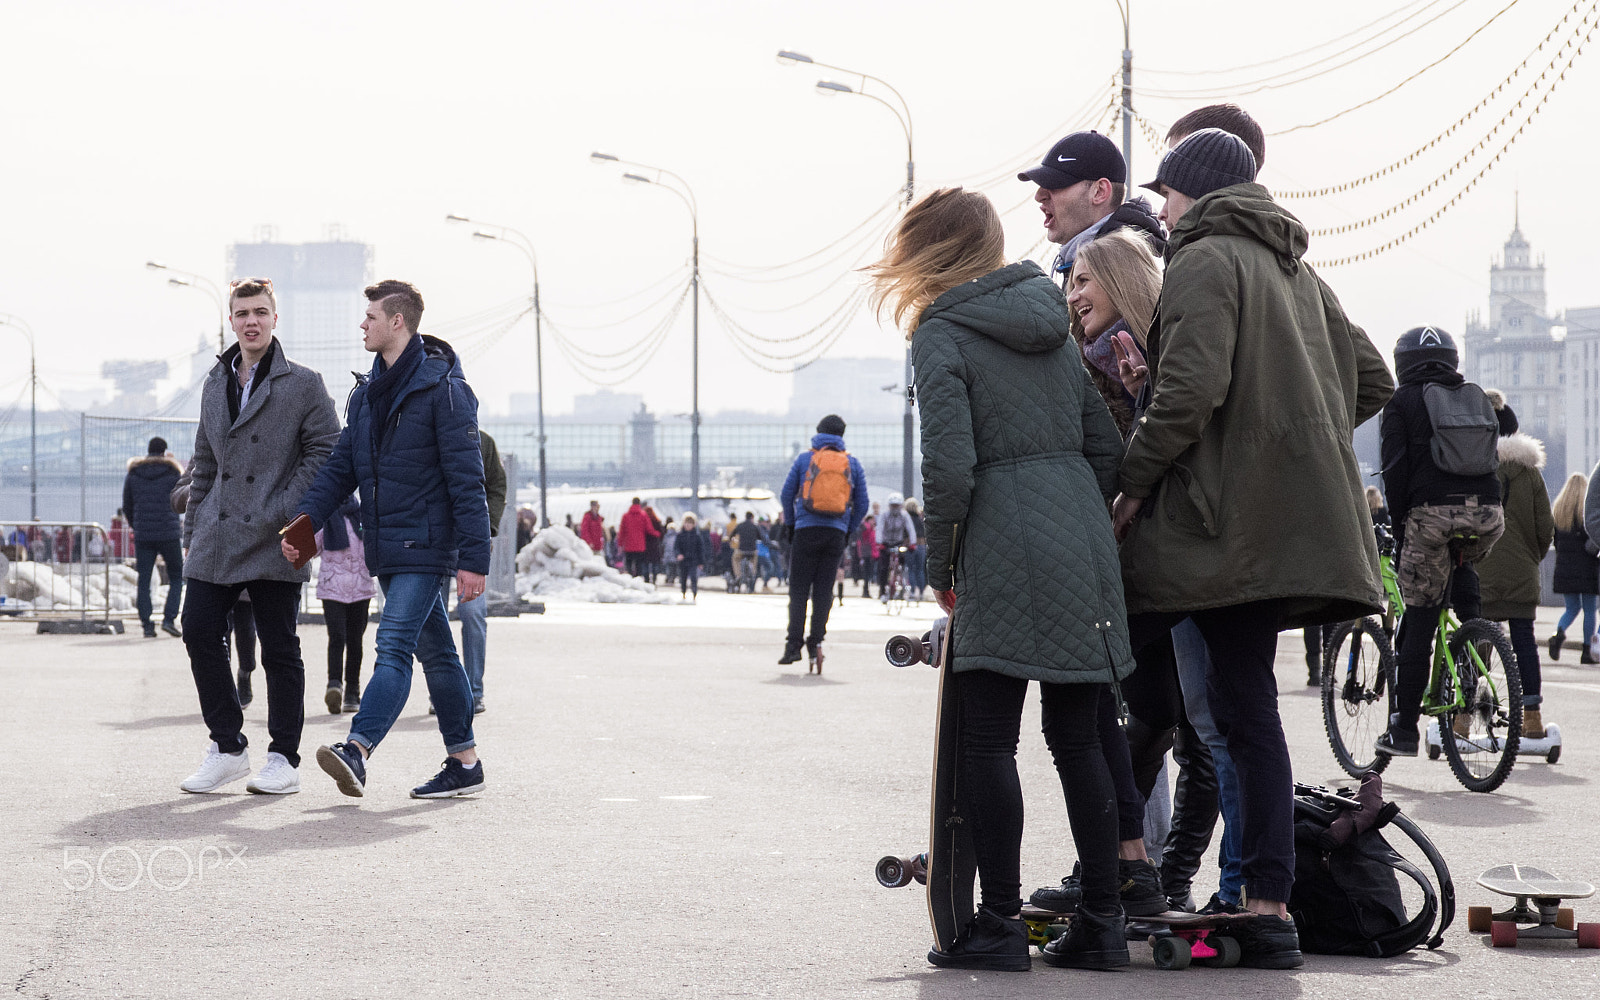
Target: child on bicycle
1439, 474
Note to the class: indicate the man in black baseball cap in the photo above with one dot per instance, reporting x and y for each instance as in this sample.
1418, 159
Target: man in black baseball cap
1082, 182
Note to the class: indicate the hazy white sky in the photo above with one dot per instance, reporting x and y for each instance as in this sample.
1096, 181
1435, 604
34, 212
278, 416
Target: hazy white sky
169, 130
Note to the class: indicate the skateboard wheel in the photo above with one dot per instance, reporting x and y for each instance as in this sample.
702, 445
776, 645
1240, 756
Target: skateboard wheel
1479, 918
1503, 933
1171, 952
1229, 952
1565, 918
1589, 935
893, 872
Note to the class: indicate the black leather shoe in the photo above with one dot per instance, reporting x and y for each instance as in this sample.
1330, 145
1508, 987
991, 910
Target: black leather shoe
791, 654
1092, 941
1063, 898
991, 942
1267, 942
171, 628
1139, 885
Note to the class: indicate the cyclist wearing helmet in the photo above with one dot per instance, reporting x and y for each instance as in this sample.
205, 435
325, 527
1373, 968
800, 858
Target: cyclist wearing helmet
897, 530
1427, 504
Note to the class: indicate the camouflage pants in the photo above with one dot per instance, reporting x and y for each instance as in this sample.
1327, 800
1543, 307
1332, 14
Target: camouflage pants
1425, 558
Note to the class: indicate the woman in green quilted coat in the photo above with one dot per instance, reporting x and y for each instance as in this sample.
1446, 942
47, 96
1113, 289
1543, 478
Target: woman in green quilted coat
1019, 464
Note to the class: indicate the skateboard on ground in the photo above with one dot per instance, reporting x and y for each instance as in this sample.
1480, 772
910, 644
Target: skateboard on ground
949, 867
1178, 938
1550, 920
1549, 747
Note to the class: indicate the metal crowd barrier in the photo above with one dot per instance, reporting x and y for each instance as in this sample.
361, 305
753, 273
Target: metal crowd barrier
60, 575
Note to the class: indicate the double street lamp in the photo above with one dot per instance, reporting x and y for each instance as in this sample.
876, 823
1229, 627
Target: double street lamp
684, 192
6, 319
200, 283
902, 114
515, 238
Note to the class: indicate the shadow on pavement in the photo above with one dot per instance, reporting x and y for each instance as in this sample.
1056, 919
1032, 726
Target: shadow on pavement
802, 680
1463, 808
193, 719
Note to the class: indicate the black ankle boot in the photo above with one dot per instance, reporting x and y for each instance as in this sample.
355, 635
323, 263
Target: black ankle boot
991, 942
1092, 941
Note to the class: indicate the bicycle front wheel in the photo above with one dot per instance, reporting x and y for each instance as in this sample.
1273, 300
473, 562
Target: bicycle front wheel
1357, 676
1480, 738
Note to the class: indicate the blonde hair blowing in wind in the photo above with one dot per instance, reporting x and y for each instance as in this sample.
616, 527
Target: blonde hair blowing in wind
950, 237
1123, 265
1568, 508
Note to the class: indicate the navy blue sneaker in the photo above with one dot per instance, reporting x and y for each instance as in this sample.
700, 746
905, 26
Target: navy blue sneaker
455, 779
345, 765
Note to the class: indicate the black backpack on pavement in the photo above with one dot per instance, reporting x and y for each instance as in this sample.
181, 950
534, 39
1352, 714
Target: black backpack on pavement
1346, 898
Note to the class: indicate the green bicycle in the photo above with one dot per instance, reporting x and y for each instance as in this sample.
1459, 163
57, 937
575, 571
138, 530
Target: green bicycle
1474, 689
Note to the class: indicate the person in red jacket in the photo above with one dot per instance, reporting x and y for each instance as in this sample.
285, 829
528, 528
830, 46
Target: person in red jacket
593, 528
634, 535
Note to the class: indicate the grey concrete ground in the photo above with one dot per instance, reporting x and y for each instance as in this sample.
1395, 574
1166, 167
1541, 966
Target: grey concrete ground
668, 814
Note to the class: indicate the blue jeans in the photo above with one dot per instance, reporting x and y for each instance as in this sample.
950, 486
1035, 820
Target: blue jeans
414, 623
1574, 602
917, 568
474, 615
1194, 663
144, 554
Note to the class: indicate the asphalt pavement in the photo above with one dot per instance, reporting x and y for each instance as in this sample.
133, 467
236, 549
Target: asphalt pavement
669, 813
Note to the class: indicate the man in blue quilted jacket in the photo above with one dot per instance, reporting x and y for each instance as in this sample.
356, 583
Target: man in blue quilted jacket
410, 444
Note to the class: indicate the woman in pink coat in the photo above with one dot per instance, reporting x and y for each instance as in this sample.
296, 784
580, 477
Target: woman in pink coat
346, 588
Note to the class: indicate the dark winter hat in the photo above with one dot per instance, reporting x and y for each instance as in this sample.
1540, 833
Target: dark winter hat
1081, 156
1502, 412
158, 446
1425, 343
831, 424
1207, 161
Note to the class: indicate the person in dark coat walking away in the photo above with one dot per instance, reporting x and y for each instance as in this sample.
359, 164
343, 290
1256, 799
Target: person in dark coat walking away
1019, 463
1577, 575
825, 508
146, 500
1509, 575
410, 444
266, 426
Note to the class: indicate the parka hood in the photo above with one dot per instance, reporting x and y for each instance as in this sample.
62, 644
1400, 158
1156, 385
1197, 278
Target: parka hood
1017, 305
1521, 449
1244, 210
153, 466
820, 441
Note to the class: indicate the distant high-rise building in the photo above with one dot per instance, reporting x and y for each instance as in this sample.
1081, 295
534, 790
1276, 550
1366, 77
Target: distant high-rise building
605, 407
861, 390
320, 306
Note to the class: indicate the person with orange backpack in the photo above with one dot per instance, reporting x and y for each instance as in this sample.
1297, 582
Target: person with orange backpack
824, 498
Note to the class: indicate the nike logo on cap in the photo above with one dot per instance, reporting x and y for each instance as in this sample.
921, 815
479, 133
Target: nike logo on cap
1066, 159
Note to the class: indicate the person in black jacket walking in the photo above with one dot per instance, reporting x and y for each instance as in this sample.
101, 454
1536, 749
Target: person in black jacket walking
1577, 575
692, 551
145, 503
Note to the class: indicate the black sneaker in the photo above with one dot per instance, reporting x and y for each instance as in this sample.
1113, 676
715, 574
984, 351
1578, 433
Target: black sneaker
1181, 902
345, 765
245, 694
791, 654
171, 628
1092, 941
477, 706
1139, 885
991, 942
351, 705
455, 779
1063, 898
1267, 942
1216, 904
1396, 744
149, 630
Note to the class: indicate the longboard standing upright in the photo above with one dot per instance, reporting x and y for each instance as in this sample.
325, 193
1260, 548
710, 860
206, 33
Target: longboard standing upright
950, 865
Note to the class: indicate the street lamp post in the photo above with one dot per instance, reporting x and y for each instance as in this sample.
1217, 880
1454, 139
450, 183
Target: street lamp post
517, 239
902, 114
687, 196
33, 413
200, 283
1125, 8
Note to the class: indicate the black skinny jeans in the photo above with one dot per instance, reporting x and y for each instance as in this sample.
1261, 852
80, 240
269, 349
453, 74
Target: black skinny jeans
205, 633
990, 795
243, 621
813, 566
1243, 693
1413, 643
1527, 649
347, 624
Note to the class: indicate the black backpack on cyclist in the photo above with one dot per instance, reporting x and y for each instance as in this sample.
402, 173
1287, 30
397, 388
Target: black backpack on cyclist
1346, 898
1466, 431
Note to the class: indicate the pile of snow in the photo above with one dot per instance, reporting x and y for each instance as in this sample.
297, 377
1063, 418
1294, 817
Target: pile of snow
46, 587
559, 564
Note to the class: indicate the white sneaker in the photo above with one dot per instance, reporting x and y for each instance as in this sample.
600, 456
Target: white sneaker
277, 777
217, 769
